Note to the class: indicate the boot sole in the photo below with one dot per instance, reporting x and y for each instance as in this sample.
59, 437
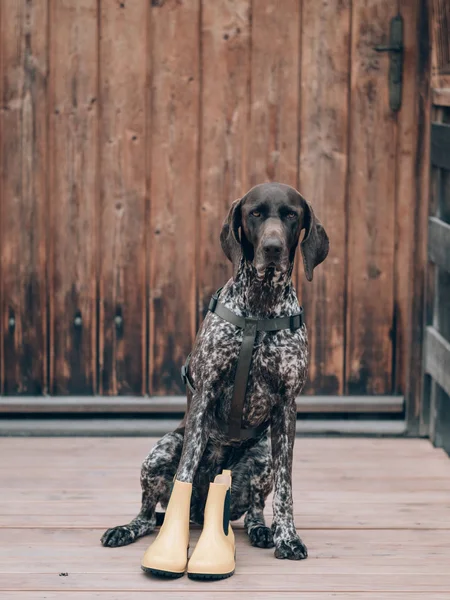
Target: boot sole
160, 573
209, 576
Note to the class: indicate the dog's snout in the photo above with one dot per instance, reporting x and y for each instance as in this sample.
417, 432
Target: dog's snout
272, 248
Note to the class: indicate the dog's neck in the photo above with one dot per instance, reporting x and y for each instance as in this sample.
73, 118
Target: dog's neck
261, 297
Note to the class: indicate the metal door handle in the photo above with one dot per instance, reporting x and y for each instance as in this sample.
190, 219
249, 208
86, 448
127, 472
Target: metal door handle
395, 49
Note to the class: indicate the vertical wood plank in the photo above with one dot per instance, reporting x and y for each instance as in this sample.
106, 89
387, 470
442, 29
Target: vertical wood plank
24, 59
415, 387
1, 205
173, 189
411, 198
123, 71
73, 195
322, 173
225, 103
406, 196
371, 205
273, 141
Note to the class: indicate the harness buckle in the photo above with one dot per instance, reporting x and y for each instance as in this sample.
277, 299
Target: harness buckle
296, 322
213, 303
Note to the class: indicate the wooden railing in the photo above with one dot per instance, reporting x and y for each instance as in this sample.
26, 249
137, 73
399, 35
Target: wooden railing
437, 334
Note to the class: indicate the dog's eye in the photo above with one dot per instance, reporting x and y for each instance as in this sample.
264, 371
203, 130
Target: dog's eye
255, 213
292, 215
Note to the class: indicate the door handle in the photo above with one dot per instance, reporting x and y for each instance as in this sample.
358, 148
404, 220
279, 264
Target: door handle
395, 49
389, 48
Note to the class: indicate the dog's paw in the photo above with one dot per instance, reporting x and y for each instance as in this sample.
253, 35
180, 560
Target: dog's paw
118, 536
261, 537
293, 549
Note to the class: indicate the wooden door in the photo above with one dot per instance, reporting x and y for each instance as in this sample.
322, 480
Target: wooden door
127, 129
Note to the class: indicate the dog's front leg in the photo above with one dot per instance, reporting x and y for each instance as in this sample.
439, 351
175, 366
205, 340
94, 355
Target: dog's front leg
287, 542
197, 430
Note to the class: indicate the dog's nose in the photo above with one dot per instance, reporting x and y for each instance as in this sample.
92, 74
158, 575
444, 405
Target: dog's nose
272, 248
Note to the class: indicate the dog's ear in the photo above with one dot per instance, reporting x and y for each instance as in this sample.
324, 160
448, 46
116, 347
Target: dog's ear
229, 236
315, 244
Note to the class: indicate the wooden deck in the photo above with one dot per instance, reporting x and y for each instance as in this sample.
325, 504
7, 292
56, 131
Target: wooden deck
375, 514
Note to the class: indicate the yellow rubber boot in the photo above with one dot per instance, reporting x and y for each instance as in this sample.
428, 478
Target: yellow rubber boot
214, 554
167, 555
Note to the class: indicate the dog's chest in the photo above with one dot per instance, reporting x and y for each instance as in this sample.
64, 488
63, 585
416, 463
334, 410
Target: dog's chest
278, 369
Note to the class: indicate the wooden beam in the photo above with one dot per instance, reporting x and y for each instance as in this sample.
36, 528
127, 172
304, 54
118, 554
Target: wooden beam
420, 154
159, 427
440, 145
24, 207
437, 358
177, 404
323, 171
439, 243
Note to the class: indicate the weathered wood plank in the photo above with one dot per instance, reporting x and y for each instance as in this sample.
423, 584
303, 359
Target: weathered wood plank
177, 404
371, 206
73, 196
308, 494
439, 242
23, 172
325, 543
312, 448
437, 358
107, 561
407, 203
353, 480
440, 145
400, 469
415, 407
123, 74
323, 163
274, 112
159, 427
175, 595
428, 583
308, 515
173, 189
225, 68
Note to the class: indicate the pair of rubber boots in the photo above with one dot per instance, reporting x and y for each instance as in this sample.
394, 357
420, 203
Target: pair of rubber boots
214, 554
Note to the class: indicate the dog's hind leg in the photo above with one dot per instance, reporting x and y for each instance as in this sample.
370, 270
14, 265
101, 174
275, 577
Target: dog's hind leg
157, 473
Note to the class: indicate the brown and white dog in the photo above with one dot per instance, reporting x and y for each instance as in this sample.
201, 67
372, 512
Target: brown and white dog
260, 237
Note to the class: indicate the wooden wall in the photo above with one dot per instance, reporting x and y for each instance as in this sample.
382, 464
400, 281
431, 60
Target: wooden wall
128, 127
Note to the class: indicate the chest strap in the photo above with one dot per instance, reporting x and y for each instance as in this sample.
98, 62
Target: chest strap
250, 328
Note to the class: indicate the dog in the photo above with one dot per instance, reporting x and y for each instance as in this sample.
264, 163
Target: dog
259, 236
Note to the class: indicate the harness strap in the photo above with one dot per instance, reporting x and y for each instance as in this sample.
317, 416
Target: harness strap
292, 322
241, 380
250, 328
244, 434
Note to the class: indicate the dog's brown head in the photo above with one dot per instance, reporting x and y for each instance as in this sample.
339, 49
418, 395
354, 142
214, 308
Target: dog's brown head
265, 226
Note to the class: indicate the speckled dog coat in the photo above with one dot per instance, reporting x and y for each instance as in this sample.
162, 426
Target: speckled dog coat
265, 224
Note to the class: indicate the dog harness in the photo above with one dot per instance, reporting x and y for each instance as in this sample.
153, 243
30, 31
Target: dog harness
250, 328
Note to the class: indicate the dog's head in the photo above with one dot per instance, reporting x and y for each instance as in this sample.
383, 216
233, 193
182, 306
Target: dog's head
265, 227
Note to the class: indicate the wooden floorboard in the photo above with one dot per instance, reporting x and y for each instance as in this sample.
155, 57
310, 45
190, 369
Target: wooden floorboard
374, 513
